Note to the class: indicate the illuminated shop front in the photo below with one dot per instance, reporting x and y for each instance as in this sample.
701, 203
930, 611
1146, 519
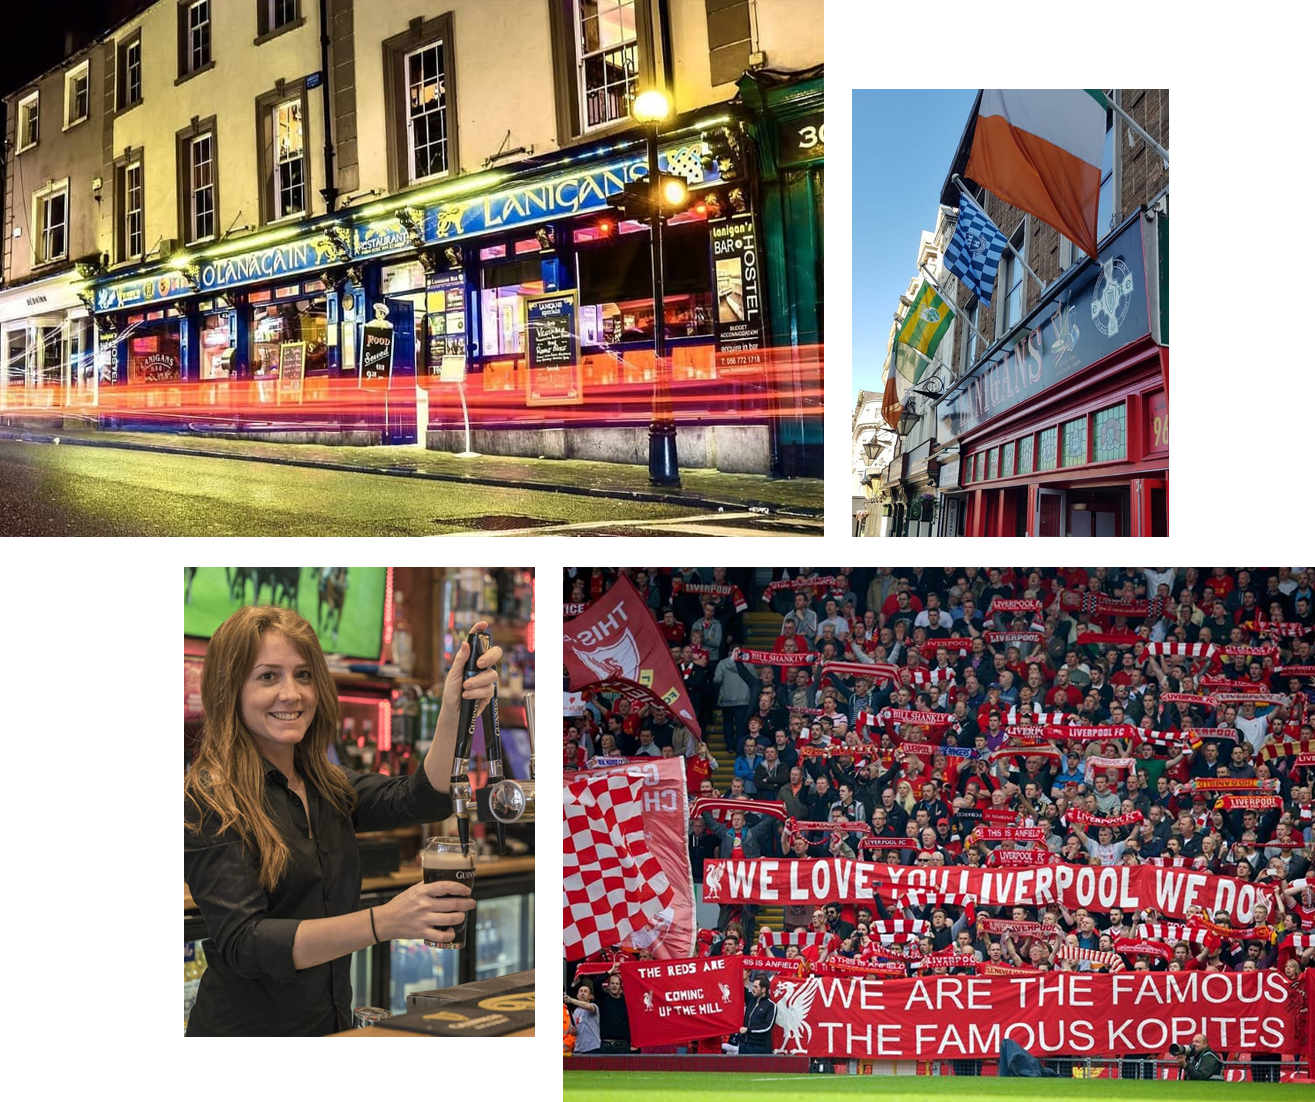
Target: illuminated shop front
519, 286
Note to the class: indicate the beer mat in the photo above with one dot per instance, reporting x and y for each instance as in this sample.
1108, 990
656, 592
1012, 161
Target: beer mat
418, 1001
488, 1016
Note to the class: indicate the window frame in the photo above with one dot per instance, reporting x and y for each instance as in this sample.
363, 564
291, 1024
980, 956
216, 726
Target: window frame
1015, 258
394, 51
133, 158
83, 70
186, 69
40, 238
121, 90
442, 48
567, 89
184, 140
266, 106
582, 60
34, 100
267, 29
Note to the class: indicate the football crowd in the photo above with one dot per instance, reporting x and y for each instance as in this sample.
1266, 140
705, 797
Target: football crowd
899, 712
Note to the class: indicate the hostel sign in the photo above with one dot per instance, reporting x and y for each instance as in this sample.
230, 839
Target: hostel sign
1101, 311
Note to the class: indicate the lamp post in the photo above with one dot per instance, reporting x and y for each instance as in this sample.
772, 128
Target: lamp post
651, 108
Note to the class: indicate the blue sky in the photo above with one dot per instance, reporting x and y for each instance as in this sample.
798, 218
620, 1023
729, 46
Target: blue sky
903, 143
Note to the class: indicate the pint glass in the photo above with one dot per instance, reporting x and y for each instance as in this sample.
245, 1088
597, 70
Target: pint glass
442, 859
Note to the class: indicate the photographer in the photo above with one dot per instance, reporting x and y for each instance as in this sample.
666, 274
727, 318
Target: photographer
1199, 1062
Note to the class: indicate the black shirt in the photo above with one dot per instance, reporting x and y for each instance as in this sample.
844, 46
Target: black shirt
251, 987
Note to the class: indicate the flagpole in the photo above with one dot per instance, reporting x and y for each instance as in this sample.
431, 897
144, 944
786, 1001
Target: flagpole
1137, 127
1008, 244
957, 313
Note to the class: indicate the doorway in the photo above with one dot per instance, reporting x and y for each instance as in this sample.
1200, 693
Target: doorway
1097, 512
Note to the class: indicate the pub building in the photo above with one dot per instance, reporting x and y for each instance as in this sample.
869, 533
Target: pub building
1062, 421
301, 333
390, 634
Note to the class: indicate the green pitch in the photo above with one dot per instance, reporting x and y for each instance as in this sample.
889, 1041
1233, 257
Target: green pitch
360, 634
607, 1086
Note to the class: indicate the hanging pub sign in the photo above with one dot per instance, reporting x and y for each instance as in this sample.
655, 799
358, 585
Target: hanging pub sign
553, 350
739, 300
292, 370
377, 339
1102, 310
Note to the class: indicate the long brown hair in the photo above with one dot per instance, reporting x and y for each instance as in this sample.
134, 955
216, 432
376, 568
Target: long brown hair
227, 777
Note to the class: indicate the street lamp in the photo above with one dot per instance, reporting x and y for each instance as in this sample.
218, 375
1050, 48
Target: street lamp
650, 108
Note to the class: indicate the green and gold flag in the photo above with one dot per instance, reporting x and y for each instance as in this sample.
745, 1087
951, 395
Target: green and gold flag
926, 323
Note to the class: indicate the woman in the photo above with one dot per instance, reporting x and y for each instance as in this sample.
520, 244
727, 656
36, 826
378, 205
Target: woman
270, 851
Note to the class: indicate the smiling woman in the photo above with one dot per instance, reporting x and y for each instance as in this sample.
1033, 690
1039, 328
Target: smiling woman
270, 849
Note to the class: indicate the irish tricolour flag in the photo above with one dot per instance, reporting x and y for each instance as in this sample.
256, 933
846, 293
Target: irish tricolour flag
1040, 151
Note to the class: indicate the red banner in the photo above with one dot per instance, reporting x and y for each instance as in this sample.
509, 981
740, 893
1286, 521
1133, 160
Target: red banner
1170, 891
666, 827
671, 1001
616, 643
1047, 1013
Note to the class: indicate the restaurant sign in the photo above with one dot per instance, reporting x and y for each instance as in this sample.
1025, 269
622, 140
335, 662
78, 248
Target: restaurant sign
1102, 310
277, 261
530, 203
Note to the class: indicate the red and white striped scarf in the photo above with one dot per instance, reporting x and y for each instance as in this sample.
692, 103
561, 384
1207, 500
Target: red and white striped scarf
1178, 931
1112, 961
1301, 942
779, 939
878, 671
890, 928
721, 809
1042, 751
1273, 750
1092, 764
924, 676
1134, 947
1039, 718
1181, 650
1170, 740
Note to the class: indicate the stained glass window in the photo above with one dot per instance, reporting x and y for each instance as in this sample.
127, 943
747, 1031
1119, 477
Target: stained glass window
1025, 455
1045, 460
1075, 442
1007, 460
1111, 441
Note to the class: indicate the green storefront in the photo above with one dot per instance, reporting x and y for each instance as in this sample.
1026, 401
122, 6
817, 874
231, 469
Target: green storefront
786, 123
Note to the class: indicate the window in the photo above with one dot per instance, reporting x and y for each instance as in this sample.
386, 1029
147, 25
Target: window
29, 110
1010, 312
1075, 442
420, 109
608, 60
291, 321
194, 37
502, 305
155, 353
990, 465
426, 117
131, 232
51, 222
970, 335
77, 94
130, 72
201, 192
1025, 455
1007, 460
17, 350
1046, 449
289, 160
1111, 436
275, 15
1069, 253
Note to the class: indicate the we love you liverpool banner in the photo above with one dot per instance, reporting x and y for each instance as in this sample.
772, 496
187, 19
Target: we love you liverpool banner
1170, 891
1048, 1013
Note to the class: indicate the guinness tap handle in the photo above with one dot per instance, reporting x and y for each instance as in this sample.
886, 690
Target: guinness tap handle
462, 798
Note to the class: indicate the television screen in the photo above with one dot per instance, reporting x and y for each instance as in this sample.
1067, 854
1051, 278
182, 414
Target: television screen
344, 604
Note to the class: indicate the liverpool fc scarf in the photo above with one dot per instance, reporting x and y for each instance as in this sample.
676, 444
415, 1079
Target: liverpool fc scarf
731, 591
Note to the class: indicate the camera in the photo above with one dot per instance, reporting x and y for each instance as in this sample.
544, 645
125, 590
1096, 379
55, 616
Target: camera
1176, 1050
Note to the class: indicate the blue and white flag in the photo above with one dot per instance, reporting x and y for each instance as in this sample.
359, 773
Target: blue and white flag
975, 250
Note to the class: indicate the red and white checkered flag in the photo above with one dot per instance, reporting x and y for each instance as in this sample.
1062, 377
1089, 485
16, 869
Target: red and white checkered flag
612, 885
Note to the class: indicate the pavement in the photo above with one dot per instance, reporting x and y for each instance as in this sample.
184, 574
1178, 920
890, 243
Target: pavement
699, 489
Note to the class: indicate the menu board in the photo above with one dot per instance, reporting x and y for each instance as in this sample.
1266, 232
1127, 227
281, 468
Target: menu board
445, 318
292, 370
553, 351
376, 351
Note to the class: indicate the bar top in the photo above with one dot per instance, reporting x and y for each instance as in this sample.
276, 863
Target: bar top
404, 878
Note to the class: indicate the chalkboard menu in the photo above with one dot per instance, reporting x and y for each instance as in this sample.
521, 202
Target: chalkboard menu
376, 351
292, 370
550, 320
554, 362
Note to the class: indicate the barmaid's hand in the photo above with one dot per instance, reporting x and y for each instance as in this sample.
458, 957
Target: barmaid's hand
480, 686
417, 911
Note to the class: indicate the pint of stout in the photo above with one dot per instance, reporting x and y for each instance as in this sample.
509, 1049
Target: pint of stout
442, 859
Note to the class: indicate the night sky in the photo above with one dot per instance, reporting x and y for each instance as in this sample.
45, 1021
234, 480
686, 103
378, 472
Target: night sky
35, 33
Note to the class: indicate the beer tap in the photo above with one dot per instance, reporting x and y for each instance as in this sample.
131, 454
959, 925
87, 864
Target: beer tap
512, 801
463, 800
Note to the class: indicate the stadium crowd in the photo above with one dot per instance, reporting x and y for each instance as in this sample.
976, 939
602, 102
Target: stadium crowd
891, 708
